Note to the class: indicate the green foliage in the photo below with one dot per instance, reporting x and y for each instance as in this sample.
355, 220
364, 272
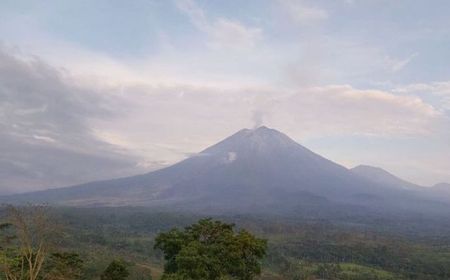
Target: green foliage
68, 266
8, 251
397, 258
359, 272
211, 250
328, 271
116, 270
25, 244
296, 249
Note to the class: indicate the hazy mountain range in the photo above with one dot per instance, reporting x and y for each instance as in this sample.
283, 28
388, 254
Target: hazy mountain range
254, 170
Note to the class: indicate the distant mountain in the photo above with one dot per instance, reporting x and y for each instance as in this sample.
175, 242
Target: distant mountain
383, 177
253, 170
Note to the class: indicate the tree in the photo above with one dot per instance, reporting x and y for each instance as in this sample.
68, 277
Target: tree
27, 238
116, 270
64, 266
211, 250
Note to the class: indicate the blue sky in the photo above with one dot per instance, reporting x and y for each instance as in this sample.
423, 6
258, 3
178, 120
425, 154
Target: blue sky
147, 83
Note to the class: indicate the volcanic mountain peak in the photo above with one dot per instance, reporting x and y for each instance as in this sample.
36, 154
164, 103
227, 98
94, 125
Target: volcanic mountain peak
268, 136
251, 170
259, 140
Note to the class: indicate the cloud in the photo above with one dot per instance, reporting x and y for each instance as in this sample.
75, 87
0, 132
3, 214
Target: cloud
57, 129
306, 112
229, 34
189, 79
341, 61
438, 92
223, 33
45, 128
344, 110
436, 88
302, 13
400, 64
59, 121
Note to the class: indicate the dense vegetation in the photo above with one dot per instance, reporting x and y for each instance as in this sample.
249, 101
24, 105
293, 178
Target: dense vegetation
123, 239
211, 250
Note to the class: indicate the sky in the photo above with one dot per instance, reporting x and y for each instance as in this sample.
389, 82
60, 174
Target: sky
101, 89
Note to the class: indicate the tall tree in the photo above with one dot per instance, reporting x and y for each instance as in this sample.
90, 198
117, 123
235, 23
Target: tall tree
211, 250
28, 242
27, 238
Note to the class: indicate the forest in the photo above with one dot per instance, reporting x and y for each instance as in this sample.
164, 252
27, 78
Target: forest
125, 243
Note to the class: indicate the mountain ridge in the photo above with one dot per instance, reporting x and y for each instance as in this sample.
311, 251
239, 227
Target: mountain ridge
251, 170
380, 175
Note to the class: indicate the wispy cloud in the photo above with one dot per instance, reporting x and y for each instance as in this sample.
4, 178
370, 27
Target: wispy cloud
400, 64
438, 91
186, 73
302, 13
223, 33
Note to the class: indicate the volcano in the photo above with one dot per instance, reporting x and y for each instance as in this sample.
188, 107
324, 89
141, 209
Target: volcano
253, 169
